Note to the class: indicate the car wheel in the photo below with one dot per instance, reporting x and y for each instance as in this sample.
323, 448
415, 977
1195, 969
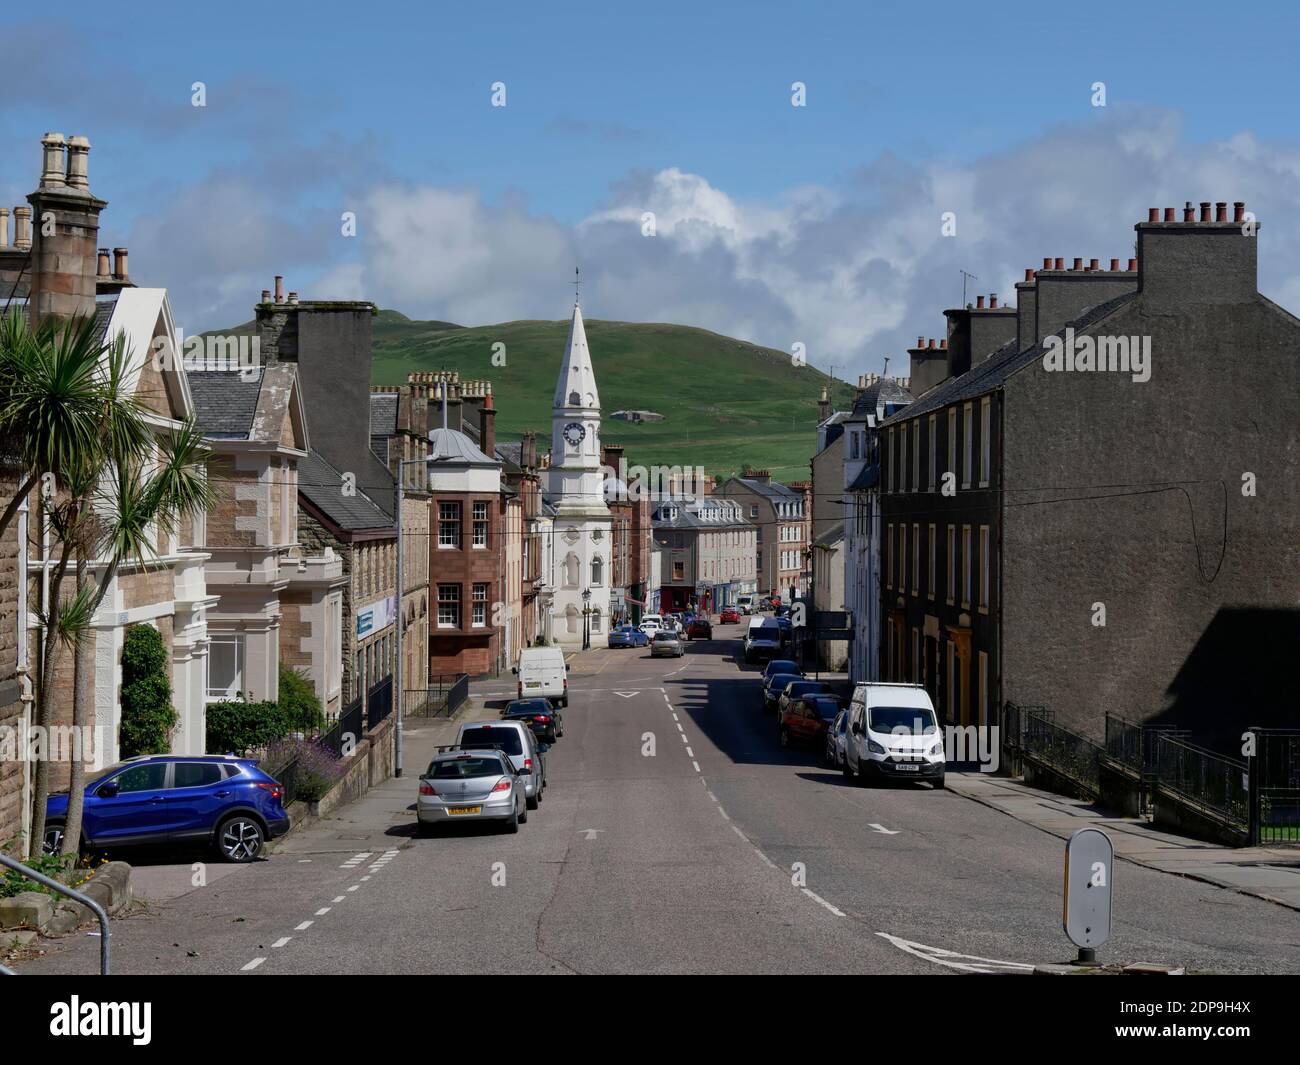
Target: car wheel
846, 769
53, 843
532, 803
239, 839
784, 735
938, 782
523, 814
512, 825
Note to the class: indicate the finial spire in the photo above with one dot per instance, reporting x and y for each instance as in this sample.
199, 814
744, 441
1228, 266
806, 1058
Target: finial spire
577, 284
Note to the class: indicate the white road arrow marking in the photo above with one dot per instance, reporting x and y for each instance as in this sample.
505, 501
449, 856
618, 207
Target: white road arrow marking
970, 963
882, 829
627, 695
591, 832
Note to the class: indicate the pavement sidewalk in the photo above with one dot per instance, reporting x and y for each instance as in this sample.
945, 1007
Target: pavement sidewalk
1269, 873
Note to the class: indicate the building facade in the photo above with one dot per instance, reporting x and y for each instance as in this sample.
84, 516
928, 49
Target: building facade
708, 551
777, 511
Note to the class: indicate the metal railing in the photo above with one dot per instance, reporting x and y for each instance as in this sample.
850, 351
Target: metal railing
1066, 753
1275, 798
441, 698
349, 724
76, 896
1133, 747
1203, 780
379, 702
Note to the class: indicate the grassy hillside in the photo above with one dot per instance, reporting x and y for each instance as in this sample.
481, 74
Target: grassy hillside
727, 403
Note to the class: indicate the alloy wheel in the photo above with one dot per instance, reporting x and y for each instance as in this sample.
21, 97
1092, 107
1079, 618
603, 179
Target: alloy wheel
53, 839
241, 839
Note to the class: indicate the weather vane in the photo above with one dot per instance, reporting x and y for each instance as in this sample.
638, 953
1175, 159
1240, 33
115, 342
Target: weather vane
577, 284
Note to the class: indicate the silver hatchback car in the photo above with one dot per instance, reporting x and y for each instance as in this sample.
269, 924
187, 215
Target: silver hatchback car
467, 784
667, 644
516, 741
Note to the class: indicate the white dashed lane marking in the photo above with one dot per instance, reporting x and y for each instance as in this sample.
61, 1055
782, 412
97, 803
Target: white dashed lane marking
252, 965
280, 942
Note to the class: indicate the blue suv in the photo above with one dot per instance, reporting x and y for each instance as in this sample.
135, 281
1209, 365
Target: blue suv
172, 798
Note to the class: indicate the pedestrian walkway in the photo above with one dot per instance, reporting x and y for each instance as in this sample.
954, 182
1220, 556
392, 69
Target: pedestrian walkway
1270, 873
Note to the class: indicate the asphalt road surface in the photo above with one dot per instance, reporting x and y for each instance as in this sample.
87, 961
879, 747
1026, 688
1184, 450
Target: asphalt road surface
675, 836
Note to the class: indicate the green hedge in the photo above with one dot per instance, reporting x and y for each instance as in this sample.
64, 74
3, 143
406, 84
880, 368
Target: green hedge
148, 716
238, 726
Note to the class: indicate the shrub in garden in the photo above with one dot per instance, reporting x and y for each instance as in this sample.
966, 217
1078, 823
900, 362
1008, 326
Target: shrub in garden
236, 726
313, 766
298, 702
148, 716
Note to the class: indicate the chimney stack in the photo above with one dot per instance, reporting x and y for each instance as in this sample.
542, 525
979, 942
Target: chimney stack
23, 228
993, 304
120, 269
102, 269
1114, 265
4, 227
64, 259
1202, 261
266, 295
979, 303
1060, 264
487, 419
293, 299
1220, 212
279, 288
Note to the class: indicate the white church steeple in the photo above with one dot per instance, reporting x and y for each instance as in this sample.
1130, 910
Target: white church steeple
575, 481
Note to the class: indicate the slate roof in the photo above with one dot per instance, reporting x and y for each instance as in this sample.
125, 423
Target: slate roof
225, 401
771, 489
993, 372
833, 534
884, 390
868, 477
450, 448
104, 308
322, 485
687, 516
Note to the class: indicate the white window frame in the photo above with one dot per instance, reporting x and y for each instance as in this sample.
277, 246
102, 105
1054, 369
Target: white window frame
968, 445
480, 533
965, 567
236, 640
934, 553
984, 569
450, 525
986, 436
453, 603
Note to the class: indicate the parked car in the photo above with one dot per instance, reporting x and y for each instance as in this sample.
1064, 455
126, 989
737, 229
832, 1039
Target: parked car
762, 640
893, 732
807, 720
729, 616
700, 629
745, 604
835, 736
781, 665
797, 689
543, 673
774, 685
667, 644
651, 623
517, 742
627, 636
545, 720
222, 800
471, 785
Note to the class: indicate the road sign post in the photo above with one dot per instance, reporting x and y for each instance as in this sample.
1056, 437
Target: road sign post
1089, 858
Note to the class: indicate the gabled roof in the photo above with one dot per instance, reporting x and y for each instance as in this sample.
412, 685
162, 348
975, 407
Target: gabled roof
993, 372
834, 534
771, 489
225, 401
323, 487
883, 391
868, 477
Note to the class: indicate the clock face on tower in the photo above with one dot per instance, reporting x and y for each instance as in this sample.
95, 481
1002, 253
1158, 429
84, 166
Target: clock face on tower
575, 433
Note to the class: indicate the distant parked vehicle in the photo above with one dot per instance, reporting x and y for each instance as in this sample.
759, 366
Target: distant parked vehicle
797, 689
745, 604
627, 636
515, 740
699, 629
651, 623
781, 665
667, 644
170, 798
469, 784
539, 715
807, 720
729, 616
893, 732
762, 640
773, 686
543, 673
835, 737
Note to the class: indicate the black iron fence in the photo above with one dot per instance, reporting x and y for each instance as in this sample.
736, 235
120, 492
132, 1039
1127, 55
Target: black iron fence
1132, 748
1275, 794
1012, 733
346, 732
379, 702
1206, 782
1065, 753
442, 697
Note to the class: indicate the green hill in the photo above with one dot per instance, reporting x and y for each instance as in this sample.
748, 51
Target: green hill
726, 403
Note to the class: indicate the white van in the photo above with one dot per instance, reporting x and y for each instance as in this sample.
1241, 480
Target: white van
745, 604
893, 732
651, 623
762, 639
543, 673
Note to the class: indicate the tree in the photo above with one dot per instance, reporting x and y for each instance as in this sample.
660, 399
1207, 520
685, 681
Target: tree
112, 488
147, 713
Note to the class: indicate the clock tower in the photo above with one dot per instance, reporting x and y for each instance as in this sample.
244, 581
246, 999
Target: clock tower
576, 489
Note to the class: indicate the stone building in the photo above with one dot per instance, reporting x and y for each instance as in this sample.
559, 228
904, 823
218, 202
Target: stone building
708, 550
631, 539
778, 512
1125, 531
279, 606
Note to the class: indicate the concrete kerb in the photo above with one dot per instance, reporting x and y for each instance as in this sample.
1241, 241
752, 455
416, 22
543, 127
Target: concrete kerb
1197, 877
35, 911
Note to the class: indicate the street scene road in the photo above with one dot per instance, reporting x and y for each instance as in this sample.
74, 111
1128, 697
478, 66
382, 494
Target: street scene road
675, 836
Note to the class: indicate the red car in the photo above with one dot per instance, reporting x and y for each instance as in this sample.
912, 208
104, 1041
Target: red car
807, 719
701, 628
728, 616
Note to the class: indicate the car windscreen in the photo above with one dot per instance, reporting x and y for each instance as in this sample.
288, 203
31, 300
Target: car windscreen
782, 665
916, 720
460, 768
780, 680
528, 706
485, 736
803, 687
665, 637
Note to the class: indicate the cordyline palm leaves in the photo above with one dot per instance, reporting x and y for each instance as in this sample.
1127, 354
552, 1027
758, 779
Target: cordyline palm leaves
67, 408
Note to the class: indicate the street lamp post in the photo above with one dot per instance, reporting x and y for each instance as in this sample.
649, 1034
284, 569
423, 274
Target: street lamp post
586, 619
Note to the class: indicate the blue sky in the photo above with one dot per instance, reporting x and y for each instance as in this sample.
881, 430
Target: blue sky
774, 222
